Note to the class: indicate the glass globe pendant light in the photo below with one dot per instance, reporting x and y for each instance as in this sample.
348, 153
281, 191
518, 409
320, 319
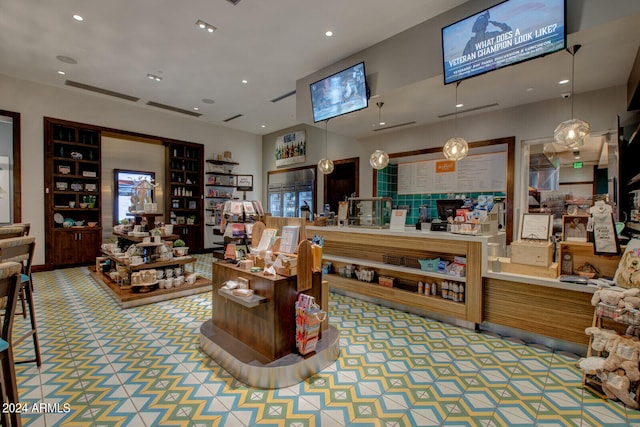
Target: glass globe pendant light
379, 159
325, 166
571, 133
456, 148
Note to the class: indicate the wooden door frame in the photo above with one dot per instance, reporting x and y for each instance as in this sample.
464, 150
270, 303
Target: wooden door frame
17, 165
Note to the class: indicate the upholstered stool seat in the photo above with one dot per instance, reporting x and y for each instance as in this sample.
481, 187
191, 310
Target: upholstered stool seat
20, 250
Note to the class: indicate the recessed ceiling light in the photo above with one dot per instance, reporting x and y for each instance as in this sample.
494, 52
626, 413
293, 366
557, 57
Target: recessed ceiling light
66, 59
459, 105
245, 81
328, 33
263, 126
207, 101
205, 26
78, 18
154, 77
563, 82
61, 72
529, 89
196, 108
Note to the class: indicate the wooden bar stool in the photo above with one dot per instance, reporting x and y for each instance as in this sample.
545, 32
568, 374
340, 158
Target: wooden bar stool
21, 250
9, 289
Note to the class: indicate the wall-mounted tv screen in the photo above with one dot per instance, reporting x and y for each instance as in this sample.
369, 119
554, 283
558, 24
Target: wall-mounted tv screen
340, 93
502, 35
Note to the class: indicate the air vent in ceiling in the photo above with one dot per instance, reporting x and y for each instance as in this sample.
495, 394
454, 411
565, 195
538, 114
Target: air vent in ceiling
234, 2
394, 126
100, 90
468, 110
232, 118
174, 109
286, 95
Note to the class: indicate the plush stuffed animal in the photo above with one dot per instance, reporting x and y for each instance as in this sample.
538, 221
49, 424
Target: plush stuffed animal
631, 366
617, 386
606, 296
612, 296
622, 349
600, 337
633, 331
591, 365
629, 303
628, 273
613, 360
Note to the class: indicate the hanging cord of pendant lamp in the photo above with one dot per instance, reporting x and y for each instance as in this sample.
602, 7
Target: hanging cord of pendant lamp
325, 165
456, 148
379, 159
572, 133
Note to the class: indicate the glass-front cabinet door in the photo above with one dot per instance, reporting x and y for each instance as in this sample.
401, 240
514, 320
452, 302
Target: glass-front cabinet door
289, 202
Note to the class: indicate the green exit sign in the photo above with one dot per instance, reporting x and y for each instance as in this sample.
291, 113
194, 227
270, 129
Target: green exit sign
577, 165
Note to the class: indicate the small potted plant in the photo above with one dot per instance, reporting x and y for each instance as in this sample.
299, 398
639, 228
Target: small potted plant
180, 248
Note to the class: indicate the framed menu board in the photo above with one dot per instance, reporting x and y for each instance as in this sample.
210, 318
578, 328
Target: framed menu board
474, 174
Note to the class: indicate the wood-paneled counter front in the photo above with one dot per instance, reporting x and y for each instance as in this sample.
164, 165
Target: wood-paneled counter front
558, 312
396, 254
268, 327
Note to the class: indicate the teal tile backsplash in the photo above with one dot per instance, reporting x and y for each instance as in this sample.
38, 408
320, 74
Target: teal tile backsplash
387, 186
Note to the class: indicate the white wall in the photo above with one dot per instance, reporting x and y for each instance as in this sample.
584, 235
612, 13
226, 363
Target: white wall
316, 137
35, 101
529, 122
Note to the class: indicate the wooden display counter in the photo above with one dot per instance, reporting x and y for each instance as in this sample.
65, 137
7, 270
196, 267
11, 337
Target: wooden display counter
269, 327
545, 306
254, 338
555, 311
397, 254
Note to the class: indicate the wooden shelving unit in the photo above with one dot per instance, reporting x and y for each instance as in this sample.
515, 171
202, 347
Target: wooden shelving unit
72, 190
184, 192
220, 187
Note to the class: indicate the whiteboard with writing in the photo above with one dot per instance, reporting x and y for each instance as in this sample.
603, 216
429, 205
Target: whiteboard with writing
473, 174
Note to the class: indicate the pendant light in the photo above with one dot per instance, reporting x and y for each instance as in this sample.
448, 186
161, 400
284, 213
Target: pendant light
456, 148
571, 133
379, 159
325, 165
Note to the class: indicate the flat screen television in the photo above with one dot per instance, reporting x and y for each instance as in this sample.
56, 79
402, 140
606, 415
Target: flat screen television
340, 93
505, 34
447, 207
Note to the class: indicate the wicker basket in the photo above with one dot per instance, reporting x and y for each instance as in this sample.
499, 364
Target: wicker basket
622, 315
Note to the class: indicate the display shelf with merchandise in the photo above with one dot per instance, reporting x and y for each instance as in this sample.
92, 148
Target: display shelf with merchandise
395, 256
72, 192
184, 192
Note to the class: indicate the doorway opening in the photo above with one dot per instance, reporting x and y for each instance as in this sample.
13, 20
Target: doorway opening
342, 183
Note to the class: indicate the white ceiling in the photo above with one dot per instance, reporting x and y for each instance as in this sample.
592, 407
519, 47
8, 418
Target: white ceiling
272, 43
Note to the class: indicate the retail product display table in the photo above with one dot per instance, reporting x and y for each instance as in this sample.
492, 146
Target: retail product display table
132, 297
254, 339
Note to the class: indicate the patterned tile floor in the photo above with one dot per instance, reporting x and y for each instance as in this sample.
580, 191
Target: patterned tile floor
142, 367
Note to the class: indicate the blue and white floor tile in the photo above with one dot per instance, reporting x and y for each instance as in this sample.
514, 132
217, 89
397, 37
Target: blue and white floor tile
142, 367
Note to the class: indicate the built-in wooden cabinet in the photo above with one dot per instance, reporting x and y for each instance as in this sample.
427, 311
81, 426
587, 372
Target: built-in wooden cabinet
184, 192
75, 246
72, 192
